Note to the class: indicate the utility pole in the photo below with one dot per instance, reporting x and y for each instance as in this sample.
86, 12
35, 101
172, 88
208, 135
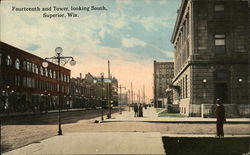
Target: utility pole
139, 96
143, 94
129, 101
109, 91
132, 95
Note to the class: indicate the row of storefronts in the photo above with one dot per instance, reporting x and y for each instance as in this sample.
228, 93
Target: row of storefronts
27, 86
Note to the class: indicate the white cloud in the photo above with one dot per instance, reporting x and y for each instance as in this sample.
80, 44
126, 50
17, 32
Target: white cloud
131, 42
152, 23
81, 39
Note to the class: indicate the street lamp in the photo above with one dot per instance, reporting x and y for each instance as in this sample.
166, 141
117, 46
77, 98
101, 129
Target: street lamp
240, 82
121, 98
204, 82
60, 59
204, 90
102, 78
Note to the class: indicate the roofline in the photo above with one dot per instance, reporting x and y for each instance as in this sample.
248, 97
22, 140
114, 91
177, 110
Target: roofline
178, 20
164, 61
32, 55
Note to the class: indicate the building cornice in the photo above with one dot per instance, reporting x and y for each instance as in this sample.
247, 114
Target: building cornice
178, 20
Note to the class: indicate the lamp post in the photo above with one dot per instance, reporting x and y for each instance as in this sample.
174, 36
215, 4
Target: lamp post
60, 59
102, 78
240, 82
204, 88
121, 98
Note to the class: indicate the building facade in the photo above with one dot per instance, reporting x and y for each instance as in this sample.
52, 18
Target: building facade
163, 75
211, 41
91, 91
26, 85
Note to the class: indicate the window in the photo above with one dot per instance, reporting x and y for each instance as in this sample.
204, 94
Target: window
50, 73
33, 67
219, 42
186, 77
68, 79
36, 69
8, 61
160, 90
46, 72
24, 81
24, 65
65, 80
54, 74
219, 11
61, 77
41, 70
221, 75
17, 80
28, 66
29, 83
17, 64
33, 83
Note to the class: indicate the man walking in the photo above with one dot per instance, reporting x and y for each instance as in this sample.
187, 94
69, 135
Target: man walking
136, 110
221, 118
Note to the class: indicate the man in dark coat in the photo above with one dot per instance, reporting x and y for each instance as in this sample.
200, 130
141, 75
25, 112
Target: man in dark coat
221, 118
140, 111
136, 110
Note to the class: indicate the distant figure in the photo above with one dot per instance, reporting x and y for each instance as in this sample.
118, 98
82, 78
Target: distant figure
140, 111
221, 118
136, 110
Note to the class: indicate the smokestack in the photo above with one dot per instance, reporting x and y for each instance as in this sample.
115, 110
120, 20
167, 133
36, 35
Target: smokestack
80, 75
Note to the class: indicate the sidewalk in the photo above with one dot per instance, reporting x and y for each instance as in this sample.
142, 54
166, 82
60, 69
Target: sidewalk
96, 143
50, 111
150, 115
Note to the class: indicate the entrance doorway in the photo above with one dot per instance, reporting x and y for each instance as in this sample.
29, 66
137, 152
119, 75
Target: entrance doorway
221, 92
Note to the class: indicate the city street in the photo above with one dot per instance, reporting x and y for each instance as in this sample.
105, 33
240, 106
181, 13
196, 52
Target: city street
16, 136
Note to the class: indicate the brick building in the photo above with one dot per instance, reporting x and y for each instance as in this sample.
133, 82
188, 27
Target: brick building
88, 92
211, 56
27, 86
163, 75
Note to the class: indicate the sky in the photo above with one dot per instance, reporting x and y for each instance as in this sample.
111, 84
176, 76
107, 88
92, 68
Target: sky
129, 33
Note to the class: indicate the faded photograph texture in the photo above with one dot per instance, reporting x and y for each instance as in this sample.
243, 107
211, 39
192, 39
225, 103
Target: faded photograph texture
125, 77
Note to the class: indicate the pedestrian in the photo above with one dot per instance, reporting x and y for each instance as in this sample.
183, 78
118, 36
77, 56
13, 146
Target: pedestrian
140, 111
136, 110
221, 118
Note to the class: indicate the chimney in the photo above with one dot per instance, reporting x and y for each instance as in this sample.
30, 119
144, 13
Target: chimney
80, 76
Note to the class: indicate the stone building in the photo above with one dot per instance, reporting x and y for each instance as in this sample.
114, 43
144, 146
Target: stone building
163, 75
26, 86
211, 44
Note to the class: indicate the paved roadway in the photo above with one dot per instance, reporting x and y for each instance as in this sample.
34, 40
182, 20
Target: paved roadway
120, 126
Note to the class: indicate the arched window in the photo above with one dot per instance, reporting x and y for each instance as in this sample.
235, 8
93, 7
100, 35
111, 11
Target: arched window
41, 70
17, 64
8, 61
